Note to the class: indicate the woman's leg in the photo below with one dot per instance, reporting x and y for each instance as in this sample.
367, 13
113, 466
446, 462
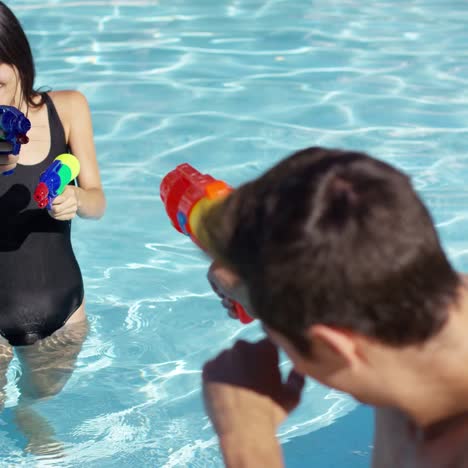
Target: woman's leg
46, 367
48, 364
6, 354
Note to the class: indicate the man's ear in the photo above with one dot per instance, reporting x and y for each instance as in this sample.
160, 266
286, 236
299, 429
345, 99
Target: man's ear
334, 344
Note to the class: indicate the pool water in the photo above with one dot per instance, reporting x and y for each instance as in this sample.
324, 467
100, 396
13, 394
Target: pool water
230, 87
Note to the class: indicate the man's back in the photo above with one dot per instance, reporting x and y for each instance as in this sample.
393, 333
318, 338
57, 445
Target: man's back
398, 443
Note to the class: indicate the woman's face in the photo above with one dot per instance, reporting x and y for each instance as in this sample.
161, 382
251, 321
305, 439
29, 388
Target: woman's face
10, 95
10, 87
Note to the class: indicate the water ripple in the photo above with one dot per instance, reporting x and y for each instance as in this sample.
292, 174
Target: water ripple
230, 87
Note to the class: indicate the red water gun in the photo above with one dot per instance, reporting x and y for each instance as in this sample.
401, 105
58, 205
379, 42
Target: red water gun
186, 193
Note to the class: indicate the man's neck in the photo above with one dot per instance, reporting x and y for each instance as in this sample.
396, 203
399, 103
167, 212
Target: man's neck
434, 388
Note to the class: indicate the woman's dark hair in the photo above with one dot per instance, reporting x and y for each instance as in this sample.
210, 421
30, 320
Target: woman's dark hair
336, 238
15, 51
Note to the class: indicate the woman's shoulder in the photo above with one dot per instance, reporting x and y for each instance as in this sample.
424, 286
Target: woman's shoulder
64, 99
71, 106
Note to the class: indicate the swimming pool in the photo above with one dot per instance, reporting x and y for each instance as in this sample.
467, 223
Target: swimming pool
230, 87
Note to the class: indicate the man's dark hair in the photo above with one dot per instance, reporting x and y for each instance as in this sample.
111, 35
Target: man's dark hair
337, 238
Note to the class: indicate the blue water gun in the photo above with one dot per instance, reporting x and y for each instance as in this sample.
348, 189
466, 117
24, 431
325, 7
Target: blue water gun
55, 178
13, 128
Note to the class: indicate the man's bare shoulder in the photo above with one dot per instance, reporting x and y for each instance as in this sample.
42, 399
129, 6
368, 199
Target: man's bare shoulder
398, 442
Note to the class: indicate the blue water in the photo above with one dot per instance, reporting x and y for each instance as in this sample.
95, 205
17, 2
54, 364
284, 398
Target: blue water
230, 87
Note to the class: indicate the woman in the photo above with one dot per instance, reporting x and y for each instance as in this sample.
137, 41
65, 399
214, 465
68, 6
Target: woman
41, 295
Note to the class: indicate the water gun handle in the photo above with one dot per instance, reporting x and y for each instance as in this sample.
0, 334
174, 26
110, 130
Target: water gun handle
55, 178
186, 195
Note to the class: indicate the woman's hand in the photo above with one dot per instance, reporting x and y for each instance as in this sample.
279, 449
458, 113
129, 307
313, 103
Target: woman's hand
7, 161
65, 206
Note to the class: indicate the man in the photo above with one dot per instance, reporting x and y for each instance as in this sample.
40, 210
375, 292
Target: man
338, 258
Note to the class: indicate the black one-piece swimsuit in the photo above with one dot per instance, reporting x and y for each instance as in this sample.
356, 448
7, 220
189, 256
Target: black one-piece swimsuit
40, 280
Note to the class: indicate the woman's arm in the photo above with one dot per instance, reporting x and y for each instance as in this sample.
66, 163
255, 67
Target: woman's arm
88, 197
